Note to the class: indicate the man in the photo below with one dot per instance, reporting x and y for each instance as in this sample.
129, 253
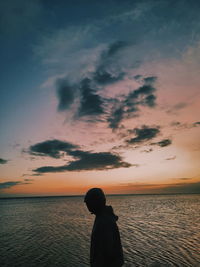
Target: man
105, 248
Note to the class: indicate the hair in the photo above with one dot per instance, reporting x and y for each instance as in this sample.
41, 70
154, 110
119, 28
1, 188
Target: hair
95, 196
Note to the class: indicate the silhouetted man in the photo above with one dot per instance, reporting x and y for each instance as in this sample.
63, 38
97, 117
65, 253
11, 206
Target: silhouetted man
105, 248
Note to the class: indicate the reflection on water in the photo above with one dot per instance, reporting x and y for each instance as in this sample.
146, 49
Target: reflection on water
156, 230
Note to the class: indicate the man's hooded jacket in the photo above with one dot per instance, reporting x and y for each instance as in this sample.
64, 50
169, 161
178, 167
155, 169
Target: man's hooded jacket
106, 249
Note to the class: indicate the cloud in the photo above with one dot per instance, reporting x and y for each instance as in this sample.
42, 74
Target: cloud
82, 160
113, 49
3, 161
65, 94
182, 126
163, 143
180, 105
88, 161
144, 133
170, 188
185, 178
171, 158
147, 150
9, 184
150, 101
51, 148
146, 89
107, 70
177, 107
90, 103
117, 115
149, 80
130, 105
105, 73
137, 77
85, 91
183, 188
103, 77
196, 123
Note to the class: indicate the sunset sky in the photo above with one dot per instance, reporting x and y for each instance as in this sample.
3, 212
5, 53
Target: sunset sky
99, 94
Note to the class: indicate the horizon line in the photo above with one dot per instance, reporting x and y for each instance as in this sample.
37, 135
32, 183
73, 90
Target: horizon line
132, 194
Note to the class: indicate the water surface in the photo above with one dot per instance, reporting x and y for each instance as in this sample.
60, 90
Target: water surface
156, 230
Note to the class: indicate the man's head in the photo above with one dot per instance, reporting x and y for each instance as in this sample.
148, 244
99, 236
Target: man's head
95, 200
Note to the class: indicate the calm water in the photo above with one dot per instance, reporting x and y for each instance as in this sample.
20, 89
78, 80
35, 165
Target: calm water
155, 230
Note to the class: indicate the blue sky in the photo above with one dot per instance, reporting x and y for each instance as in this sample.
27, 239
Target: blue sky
49, 48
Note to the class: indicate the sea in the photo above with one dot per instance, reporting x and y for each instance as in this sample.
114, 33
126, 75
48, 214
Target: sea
156, 230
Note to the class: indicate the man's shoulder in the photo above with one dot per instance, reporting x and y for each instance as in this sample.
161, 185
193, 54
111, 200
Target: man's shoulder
105, 222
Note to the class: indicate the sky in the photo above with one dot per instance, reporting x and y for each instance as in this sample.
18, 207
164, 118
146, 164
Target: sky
99, 94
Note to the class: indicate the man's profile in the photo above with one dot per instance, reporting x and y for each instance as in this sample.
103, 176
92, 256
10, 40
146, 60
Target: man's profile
105, 248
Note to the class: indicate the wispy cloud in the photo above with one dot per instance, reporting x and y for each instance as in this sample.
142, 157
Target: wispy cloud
167, 188
3, 161
177, 107
147, 150
10, 184
171, 158
163, 143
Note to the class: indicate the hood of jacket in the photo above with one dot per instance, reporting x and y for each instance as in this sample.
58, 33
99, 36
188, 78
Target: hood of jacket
108, 212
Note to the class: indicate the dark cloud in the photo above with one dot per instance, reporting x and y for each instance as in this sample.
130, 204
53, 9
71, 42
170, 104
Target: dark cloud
144, 133
65, 93
3, 161
143, 90
174, 109
90, 103
113, 49
103, 74
163, 143
116, 117
88, 161
150, 80
36, 174
9, 184
82, 160
183, 188
130, 105
137, 77
196, 123
150, 101
103, 77
51, 148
